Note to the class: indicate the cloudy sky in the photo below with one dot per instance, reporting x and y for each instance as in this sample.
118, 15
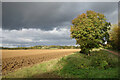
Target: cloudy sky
46, 23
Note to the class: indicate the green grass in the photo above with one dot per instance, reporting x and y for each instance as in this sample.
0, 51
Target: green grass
101, 64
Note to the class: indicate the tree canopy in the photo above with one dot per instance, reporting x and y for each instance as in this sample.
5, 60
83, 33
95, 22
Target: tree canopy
90, 30
114, 36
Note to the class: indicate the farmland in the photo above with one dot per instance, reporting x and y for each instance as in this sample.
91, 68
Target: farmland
100, 64
15, 59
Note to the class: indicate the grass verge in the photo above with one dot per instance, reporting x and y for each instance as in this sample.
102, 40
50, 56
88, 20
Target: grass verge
28, 72
101, 64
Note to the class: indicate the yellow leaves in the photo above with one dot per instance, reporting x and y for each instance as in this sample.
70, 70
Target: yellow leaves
83, 15
114, 33
90, 12
87, 26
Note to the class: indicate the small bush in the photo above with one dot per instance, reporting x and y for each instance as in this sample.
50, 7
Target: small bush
103, 60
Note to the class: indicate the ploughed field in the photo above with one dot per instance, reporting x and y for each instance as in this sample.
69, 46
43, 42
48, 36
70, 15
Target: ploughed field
15, 59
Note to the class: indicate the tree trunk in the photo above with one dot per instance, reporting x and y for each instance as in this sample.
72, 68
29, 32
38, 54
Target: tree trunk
85, 51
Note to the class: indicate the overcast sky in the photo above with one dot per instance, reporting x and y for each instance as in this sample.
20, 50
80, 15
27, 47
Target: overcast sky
46, 23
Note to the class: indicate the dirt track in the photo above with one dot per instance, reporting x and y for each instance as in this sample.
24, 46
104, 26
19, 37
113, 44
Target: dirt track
14, 59
115, 53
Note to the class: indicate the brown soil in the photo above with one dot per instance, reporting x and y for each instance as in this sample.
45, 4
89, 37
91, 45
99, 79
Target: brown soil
15, 59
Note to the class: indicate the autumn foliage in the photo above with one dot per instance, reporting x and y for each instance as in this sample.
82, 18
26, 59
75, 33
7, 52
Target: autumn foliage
114, 36
90, 30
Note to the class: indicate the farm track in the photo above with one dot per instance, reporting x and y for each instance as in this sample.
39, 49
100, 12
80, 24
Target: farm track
115, 53
15, 59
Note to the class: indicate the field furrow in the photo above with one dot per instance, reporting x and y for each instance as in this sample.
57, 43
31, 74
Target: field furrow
15, 59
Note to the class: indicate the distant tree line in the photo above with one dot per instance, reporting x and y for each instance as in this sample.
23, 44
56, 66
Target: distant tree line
43, 47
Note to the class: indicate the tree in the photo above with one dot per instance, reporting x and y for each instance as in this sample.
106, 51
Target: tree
90, 30
114, 36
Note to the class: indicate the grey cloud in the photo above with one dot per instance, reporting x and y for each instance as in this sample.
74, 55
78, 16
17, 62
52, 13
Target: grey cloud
47, 15
31, 23
119, 11
61, 0
31, 37
0, 14
110, 10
